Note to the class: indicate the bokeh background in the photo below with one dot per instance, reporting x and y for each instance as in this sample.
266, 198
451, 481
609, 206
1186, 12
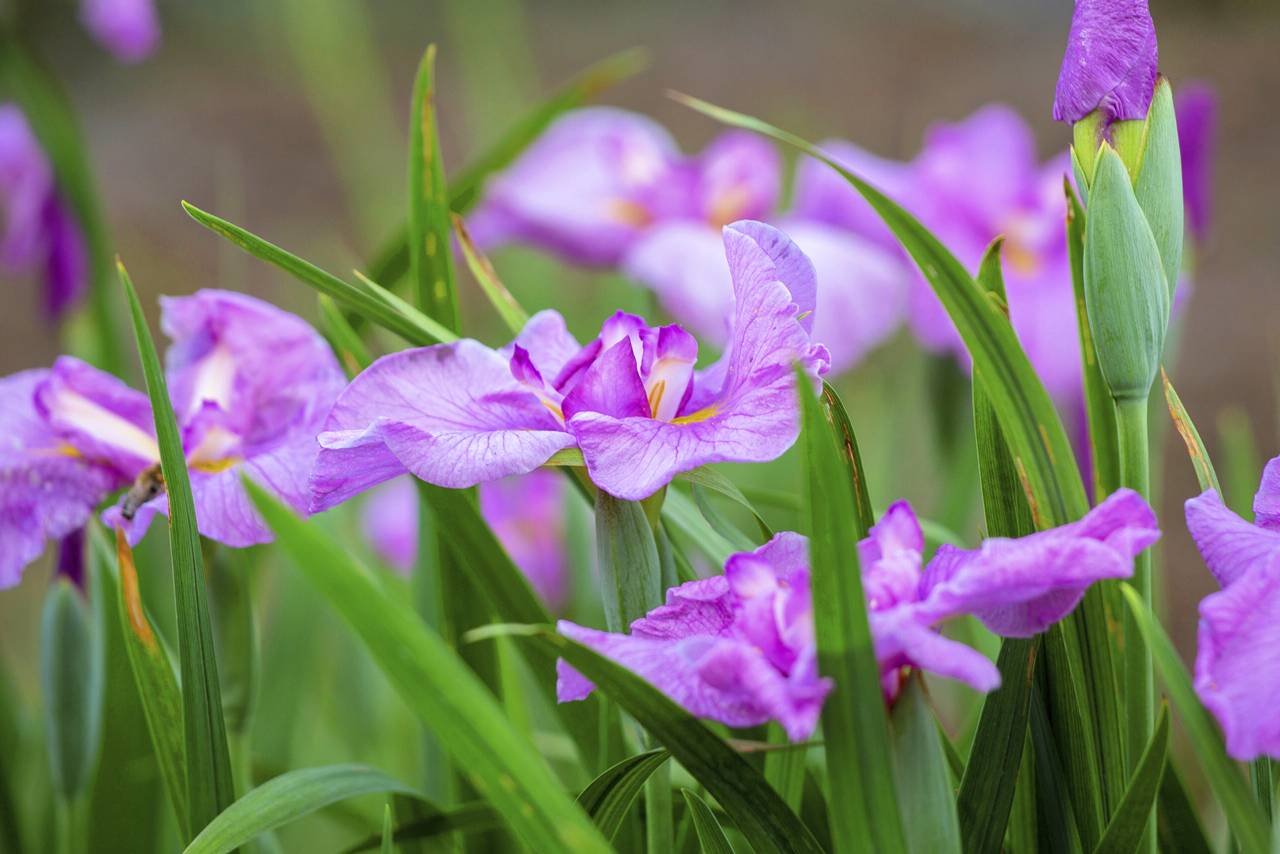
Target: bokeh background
289, 117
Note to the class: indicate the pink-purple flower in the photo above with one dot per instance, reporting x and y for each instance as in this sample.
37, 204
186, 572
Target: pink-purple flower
1110, 64
604, 187
130, 29
740, 648
1238, 647
631, 400
973, 180
250, 385
526, 514
39, 233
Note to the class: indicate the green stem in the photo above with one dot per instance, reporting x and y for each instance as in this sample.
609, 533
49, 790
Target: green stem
1139, 681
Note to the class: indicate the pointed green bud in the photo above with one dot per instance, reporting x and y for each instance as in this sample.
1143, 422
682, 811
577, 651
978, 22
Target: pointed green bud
1124, 281
1159, 183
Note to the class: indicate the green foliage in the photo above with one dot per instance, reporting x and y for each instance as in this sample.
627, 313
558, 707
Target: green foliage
922, 774
610, 795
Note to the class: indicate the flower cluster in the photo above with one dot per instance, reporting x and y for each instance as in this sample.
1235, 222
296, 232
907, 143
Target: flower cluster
740, 648
250, 384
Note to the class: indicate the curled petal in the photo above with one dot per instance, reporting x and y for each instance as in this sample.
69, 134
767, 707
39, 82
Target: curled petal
98, 415
1266, 502
903, 639
451, 414
547, 341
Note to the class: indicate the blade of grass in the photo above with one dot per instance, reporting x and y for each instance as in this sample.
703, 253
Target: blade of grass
1186, 428
508, 308
286, 799
439, 688
922, 774
466, 818
1245, 817
864, 804
711, 836
610, 796
1180, 831
209, 782
1124, 832
430, 255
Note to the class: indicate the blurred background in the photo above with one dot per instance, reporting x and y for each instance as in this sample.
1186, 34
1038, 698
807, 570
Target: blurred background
289, 117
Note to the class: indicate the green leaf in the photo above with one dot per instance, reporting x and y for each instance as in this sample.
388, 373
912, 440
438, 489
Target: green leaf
922, 774
1186, 428
374, 303
508, 308
467, 818
344, 340
1243, 814
1099, 410
630, 576
740, 541
288, 798
1179, 826
1124, 832
430, 249
11, 713
392, 261
509, 593
71, 682
864, 808
681, 516
157, 686
743, 792
438, 687
709, 478
711, 837
833, 411
209, 783
1158, 187
609, 797
991, 775
388, 831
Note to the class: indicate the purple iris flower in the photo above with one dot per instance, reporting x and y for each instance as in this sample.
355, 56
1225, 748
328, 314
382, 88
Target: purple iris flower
250, 385
1196, 106
740, 648
1110, 63
460, 414
972, 181
129, 29
526, 514
1239, 637
39, 232
604, 187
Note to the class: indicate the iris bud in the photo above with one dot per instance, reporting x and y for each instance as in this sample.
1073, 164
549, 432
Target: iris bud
1126, 293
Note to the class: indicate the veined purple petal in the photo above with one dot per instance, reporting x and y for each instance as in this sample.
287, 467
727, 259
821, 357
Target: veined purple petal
129, 29
611, 386
1238, 660
101, 417
1196, 106
1110, 62
1230, 546
754, 417
452, 414
547, 341
47, 489
1019, 587
701, 607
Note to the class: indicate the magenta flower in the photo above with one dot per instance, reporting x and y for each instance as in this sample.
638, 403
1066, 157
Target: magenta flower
39, 232
605, 187
526, 514
740, 648
973, 180
1196, 106
1110, 62
460, 414
1239, 635
129, 29
250, 385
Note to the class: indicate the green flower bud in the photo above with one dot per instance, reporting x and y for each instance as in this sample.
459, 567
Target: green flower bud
1126, 294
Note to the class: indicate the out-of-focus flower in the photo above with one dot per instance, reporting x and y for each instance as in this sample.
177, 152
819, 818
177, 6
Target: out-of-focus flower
1110, 63
740, 648
459, 414
526, 514
250, 385
973, 180
130, 29
1196, 106
39, 232
604, 187
1237, 673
